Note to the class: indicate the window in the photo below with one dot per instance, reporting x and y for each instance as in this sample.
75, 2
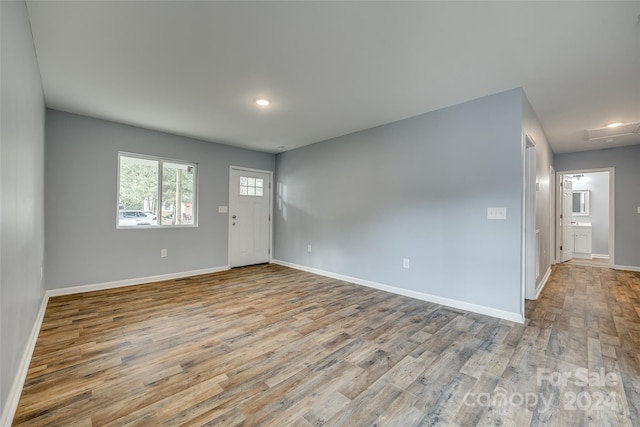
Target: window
156, 192
580, 203
251, 186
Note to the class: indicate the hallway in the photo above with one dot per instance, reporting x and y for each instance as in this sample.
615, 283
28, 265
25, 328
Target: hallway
589, 317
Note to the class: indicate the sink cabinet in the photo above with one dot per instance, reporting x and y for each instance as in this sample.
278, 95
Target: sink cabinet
582, 241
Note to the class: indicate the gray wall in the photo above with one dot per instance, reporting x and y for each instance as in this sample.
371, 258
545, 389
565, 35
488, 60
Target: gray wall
598, 185
626, 161
21, 190
83, 245
418, 189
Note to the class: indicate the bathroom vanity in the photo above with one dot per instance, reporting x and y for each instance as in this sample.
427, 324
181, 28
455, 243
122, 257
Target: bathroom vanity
582, 235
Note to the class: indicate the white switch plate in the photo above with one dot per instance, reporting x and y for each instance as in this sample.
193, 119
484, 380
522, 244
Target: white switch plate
308, 248
406, 263
496, 213
223, 209
163, 253
638, 209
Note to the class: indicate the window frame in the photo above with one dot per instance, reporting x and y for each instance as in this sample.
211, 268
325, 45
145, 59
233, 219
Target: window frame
584, 199
159, 189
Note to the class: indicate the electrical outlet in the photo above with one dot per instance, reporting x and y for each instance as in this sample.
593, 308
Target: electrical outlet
163, 253
406, 263
308, 248
496, 213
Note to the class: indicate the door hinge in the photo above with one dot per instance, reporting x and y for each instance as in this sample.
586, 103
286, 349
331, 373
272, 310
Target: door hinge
560, 247
560, 216
269, 251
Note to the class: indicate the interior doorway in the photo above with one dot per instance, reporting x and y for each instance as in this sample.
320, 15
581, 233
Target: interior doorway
566, 219
531, 268
552, 211
590, 233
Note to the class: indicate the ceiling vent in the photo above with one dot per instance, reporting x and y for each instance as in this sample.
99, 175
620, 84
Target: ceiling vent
611, 132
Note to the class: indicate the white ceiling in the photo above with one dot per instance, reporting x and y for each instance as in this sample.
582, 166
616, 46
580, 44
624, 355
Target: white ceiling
332, 68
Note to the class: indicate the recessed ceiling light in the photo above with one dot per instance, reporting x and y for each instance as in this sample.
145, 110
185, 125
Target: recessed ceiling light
263, 102
612, 130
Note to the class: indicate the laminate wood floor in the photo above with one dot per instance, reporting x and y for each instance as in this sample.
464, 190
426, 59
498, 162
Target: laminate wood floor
594, 262
272, 346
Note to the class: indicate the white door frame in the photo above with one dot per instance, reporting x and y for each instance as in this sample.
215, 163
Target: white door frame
565, 221
552, 212
529, 193
612, 209
232, 187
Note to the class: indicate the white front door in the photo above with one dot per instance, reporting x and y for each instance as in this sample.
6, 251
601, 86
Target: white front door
566, 218
249, 217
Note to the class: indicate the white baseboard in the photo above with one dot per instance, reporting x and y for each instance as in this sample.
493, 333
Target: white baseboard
6, 418
131, 282
626, 267
480, 309
600, 256
543, 282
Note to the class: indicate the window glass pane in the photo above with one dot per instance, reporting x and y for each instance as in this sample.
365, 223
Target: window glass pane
243, 191
138, 192
258, 191
168, 194
188, 197
252, 191
259, 182
251, 182
243, 180
177, 194
139, 201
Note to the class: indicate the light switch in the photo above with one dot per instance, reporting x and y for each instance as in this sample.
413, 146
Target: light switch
496, 213
223, 209
638, 209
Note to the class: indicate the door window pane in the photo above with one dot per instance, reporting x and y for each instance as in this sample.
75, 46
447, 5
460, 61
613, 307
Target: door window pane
251, 186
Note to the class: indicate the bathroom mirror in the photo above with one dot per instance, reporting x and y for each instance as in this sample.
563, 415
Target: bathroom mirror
580, 203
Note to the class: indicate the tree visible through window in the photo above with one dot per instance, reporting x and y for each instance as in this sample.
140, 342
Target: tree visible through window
156, 192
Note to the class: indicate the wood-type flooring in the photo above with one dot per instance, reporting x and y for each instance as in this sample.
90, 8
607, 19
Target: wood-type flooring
273, 346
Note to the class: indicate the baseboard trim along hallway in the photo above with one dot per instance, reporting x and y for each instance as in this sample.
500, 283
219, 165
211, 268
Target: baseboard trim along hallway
18, 381
131, 282
462, 305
